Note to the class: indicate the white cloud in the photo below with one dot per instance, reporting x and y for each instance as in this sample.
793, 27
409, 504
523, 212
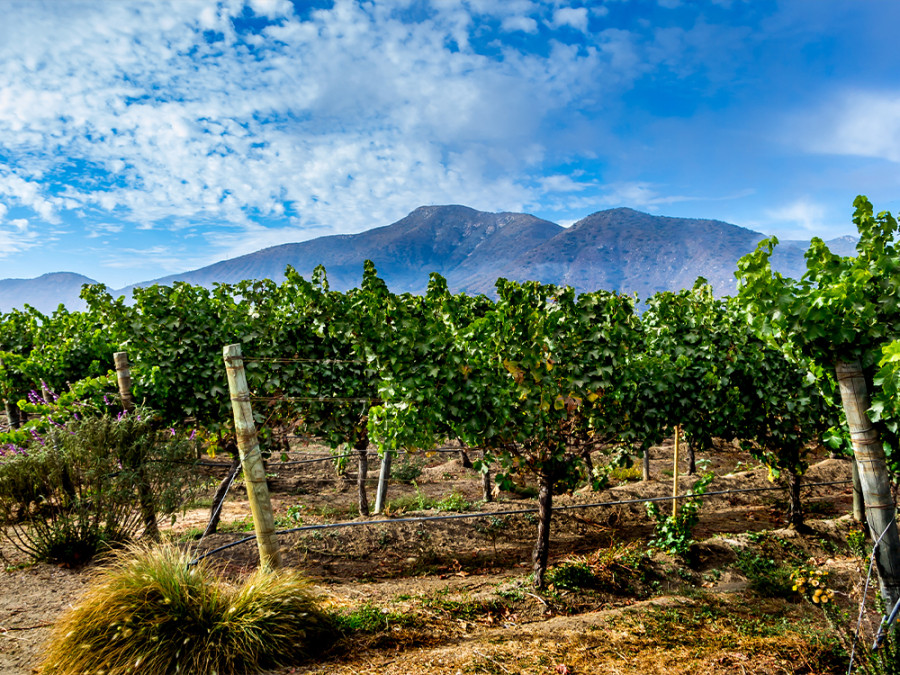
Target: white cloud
802, 218
17, 236
574, 17
346, 119
341, 121
103, 229
860, 123
519, 23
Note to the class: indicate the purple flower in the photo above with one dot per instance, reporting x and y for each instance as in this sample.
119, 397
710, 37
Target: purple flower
36, 436
172, 431
193, 434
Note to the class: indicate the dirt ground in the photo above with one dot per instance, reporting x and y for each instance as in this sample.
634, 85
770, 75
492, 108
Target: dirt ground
454, 595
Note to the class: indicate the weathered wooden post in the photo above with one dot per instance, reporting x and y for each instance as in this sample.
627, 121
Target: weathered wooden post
486, 491
145, 494
675, 475
383, 477
12, 410
873, 477
251, 459
123, 377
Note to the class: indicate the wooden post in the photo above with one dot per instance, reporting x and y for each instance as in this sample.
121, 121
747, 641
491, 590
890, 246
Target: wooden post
145, 493
123, 376
251, 459
873, 477
12, 411
675, 474
383, 477
486, 492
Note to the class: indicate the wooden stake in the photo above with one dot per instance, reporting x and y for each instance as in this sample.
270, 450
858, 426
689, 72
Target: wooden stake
873, 477
675, 475
383, 478
123, 376
145, 494
251, 459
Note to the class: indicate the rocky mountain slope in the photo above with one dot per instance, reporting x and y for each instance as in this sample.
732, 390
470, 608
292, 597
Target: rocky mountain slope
617, 249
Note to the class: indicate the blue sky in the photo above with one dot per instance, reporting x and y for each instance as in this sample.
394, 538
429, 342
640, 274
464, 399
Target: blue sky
142, 138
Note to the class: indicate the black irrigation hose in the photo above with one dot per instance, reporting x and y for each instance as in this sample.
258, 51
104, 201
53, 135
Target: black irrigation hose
328, 458
515, 512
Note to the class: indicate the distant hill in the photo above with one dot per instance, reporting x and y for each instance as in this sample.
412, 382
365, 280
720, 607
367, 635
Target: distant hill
617, 249
455, 241
629, 251
45, 293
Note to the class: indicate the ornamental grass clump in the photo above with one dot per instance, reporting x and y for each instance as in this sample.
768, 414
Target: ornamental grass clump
150, 612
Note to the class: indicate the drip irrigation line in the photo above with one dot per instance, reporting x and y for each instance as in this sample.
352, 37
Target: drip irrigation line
513, 512
355, 453
316, 399
269, 359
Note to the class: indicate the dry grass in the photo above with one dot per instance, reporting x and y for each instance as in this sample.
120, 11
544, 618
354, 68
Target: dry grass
150, 612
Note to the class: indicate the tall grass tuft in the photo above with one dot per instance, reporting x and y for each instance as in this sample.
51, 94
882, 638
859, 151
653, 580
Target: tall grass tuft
149, 612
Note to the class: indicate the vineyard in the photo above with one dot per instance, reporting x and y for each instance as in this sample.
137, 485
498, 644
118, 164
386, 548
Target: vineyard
464, 478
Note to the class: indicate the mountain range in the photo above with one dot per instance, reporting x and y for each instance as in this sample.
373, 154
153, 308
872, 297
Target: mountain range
618, 249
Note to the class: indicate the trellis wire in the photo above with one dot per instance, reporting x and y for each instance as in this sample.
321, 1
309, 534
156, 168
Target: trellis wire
862, 602
486, 514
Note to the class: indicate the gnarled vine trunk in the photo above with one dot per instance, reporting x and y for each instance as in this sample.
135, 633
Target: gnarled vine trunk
545, 513
795, 512
361, 448
12, 414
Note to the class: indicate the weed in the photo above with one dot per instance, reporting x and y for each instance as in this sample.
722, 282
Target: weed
369, 619
856, 542
573, 576
492, 527
407, 468
292, 517
454, 502
673, 532
614, 569
765, 576
245, 524
466, 609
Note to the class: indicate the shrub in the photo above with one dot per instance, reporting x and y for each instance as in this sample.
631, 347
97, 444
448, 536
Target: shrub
150, 612
93, 482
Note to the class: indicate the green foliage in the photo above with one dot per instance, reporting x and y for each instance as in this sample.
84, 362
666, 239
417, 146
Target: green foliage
856, 542
573, 576
673, 532
765, 575
842, 309
455, 501
75, 488
407, 468
151, 612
